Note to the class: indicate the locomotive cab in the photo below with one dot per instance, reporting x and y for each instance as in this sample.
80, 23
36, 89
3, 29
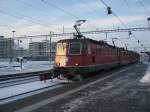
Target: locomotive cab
70, 53
82, 56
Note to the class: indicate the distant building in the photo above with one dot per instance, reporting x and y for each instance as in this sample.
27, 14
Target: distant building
21, 52
2, 54
42, 49
6, 47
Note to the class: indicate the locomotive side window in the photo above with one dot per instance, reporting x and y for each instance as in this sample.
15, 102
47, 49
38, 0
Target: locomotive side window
89, 49
84, 48
75, 48
61, 49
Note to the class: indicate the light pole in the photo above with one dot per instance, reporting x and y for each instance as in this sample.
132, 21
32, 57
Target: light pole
11, 52
106, 34
50, 39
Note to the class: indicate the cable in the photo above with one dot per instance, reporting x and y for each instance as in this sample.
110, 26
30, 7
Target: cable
19, 17
146, 10
63, 10
87, 5
118, 18
30, 5
92, 10
130, 12
114, 14
127, 4
143, 5
104, 3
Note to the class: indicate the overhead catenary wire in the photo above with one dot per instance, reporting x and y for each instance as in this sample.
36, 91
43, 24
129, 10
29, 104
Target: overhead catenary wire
87, 5
114, 14
119, 19
11, 15
143, 5
21, 17
33, 7
128, 6
63, 10
146, 10
59, 8
92, 11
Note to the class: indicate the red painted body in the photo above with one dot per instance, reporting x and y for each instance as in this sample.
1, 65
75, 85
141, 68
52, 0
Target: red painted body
93, 53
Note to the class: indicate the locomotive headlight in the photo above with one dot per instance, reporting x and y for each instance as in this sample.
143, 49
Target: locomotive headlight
76, 64
66, 59
63, 64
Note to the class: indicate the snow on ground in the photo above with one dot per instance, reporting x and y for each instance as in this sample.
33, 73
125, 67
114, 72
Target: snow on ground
7, 92
146, 78
7, 68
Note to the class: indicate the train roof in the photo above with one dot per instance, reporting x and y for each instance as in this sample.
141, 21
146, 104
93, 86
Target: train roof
101, 42
96, 42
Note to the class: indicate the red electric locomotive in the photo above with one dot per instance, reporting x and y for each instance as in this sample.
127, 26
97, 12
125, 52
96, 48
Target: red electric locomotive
80, 56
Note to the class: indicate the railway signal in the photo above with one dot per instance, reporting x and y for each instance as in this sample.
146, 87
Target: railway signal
109, 11
148, 19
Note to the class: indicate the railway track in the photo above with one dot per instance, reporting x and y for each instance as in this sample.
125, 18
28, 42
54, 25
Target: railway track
13, 82
20, 78
44, 89
29, 93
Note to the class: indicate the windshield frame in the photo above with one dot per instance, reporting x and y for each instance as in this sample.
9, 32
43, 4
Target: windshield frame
64, 48
80, 48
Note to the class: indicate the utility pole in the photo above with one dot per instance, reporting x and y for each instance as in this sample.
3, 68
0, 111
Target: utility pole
148, 19
50, 39
11, 52
47, 43
106, 33
30, 40
126, 46
63, 29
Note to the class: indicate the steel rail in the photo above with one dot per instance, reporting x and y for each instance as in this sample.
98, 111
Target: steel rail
22, 75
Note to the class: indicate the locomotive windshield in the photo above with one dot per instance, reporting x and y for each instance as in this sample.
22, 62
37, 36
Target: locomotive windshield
61, 49
75, 48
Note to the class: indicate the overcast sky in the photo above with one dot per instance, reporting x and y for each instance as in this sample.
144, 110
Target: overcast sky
32, 17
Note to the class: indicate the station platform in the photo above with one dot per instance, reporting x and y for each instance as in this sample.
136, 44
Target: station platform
123, 90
